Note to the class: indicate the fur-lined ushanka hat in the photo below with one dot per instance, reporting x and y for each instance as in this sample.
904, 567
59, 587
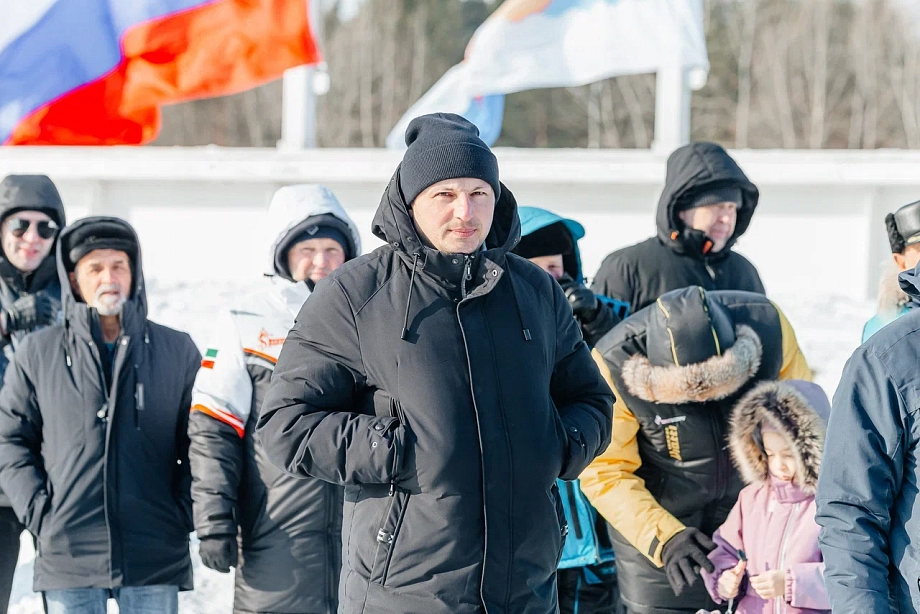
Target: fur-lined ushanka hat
694, 352
796, 409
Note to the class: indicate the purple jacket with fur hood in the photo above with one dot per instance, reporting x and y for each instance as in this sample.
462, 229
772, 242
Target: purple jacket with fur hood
774, 522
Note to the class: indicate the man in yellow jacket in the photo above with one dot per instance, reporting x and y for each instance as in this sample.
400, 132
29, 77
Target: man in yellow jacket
666, 481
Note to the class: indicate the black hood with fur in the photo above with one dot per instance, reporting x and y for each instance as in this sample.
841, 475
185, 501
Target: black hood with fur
679, 367
796, 409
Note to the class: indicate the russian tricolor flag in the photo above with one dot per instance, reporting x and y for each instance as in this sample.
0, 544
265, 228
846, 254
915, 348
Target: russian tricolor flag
94, 72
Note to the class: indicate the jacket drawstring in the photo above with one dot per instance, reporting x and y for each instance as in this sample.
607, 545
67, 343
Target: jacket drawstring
405, 331
517, 304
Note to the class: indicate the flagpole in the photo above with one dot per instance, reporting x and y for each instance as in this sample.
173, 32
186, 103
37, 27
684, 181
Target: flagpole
298, 110
672, 108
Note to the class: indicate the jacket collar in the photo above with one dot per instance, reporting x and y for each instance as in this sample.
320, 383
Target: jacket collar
393, 224
788, 492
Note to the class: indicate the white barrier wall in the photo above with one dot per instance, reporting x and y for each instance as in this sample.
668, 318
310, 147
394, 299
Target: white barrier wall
198, 211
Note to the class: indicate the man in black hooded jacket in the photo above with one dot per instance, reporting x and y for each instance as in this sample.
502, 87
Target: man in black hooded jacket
444, 382
31, 213
93, 434
706, 205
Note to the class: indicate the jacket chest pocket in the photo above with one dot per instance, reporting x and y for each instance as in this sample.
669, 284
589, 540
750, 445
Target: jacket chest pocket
387, 535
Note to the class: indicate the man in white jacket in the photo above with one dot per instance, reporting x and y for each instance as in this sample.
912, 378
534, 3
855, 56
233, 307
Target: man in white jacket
282, 533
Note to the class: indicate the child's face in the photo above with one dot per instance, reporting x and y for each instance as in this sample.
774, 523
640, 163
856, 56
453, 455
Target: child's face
780, 459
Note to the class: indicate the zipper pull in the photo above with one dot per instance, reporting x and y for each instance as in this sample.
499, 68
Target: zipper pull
712, 274
467, 275
103, 412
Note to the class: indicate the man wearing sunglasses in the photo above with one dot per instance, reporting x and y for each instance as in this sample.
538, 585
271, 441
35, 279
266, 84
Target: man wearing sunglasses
31, 212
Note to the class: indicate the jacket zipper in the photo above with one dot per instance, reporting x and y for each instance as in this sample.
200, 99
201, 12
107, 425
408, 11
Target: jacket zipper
780, 601
485, 518
720, 477
103, 414
573, 504
467, 276
709, 269
330, 549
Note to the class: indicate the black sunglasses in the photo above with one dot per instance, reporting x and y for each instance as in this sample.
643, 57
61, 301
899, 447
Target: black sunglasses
45, 228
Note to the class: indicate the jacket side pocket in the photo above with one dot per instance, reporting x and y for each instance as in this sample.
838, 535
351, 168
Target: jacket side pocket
387, 536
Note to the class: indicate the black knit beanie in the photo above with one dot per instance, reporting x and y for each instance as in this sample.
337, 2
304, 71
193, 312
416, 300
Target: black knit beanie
713, 196
444, 146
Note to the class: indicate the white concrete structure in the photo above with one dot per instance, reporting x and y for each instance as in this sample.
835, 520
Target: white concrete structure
818, 229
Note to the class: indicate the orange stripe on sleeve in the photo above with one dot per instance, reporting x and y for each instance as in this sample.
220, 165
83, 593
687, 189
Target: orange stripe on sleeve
222, 416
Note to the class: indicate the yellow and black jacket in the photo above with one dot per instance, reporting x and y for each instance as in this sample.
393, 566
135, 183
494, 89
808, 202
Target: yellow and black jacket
677, 369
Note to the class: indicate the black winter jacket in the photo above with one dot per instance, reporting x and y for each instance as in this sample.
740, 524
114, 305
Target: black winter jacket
101, 476
34, 192
679, 256
668, 466
448, 432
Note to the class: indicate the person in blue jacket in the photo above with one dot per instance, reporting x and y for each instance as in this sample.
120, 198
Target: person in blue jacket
868, 506
903, 228
587, 578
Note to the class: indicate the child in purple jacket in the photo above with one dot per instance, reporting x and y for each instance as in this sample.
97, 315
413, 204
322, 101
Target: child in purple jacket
767, 558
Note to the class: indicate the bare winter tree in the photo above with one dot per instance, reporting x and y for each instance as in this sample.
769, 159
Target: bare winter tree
784, 74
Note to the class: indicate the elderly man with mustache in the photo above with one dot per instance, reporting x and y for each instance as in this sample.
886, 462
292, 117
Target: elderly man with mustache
93, 441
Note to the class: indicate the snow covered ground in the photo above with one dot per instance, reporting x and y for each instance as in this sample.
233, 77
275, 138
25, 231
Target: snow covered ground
828, 329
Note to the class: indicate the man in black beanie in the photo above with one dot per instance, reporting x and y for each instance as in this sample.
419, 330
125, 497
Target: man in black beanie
706, 205
444, 383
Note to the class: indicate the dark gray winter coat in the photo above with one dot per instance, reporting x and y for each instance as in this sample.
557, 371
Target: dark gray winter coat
101, 476
679, 256
448, 431
868, 504
33, 192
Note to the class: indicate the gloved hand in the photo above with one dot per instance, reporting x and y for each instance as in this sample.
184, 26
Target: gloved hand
218, 552
684, 555
29, 312
584, 302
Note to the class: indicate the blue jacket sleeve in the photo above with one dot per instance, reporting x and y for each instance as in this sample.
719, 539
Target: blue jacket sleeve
860, 479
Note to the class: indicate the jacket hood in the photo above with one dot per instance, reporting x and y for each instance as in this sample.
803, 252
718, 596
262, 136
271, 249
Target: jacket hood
534, 219
891, 298
77, 313
692, 169
292, 207
710, 380
796, 409
31, 192
393, 224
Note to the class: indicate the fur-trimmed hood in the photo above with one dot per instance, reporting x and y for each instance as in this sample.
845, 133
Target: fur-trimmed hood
715, 378
891, 298
796, 409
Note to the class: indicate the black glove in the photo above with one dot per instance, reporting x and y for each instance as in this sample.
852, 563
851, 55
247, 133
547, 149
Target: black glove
29, 312
584, 303
684, 555
218, 552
